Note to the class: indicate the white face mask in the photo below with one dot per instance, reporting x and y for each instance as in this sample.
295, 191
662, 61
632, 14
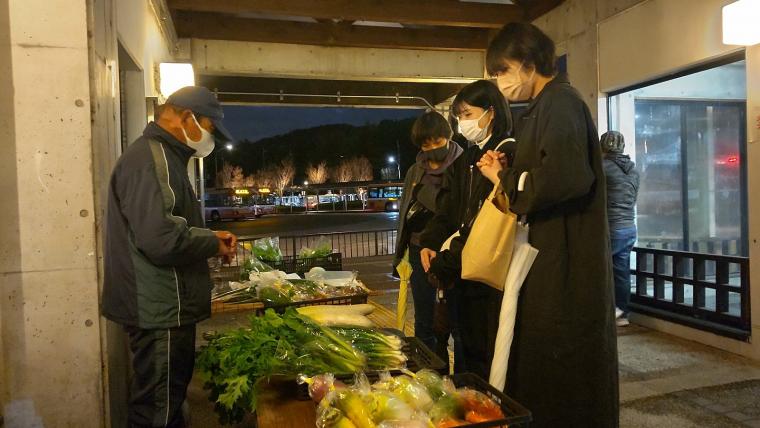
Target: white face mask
513, 87
471, 129
205, 145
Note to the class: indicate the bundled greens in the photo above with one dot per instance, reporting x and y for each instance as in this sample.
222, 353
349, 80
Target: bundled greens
233, 364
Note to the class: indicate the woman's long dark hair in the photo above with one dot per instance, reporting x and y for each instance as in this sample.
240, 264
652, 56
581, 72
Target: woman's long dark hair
484, 94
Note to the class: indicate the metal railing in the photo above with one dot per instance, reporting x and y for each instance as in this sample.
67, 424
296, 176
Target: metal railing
708, 292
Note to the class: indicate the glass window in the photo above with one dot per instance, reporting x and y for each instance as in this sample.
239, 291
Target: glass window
374, 192
687, 136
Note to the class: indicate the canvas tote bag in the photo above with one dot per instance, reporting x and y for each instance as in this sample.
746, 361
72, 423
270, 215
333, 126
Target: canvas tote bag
488, 251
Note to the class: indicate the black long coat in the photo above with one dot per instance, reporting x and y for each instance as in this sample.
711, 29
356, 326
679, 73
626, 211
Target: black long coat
563, 363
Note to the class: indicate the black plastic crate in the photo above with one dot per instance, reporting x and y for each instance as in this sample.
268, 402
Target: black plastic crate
515, 415
352, 299
300, 265
419, 357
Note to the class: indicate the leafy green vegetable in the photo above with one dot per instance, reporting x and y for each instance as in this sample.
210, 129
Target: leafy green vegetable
253, 264
267, 249
233, 364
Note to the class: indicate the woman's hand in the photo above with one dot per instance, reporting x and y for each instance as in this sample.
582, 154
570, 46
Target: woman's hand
427, 255
491, 164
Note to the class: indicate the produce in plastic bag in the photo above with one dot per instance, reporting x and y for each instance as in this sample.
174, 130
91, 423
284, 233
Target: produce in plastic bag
386, 406
323, 248
403, 424
330, 417
253, 265
478, 407
267, 249
350, 402
411, 391
448, 408
435, 384
321, 385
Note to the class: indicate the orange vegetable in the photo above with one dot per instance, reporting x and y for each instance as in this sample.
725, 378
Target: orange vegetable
478, 405
450, 423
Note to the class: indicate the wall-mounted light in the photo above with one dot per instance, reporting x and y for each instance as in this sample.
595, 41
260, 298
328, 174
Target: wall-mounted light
741, 23
175, 75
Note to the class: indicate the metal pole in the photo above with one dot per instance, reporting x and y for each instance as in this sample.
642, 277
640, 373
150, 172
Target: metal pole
334, 96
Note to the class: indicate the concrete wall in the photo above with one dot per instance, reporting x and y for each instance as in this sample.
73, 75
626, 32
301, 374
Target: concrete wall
573, 27
50, 345
140, 35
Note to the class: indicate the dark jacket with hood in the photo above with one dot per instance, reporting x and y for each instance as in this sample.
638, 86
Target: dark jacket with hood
422, 187
156, 273
622, 190
563, 361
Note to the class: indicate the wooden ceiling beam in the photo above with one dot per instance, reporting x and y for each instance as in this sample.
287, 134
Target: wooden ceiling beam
225, 27
447, 13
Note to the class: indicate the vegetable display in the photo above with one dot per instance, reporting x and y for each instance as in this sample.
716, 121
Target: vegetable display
234, 364
422, 399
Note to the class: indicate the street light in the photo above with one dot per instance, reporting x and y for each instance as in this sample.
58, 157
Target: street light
392, 160
305, 183
229, 147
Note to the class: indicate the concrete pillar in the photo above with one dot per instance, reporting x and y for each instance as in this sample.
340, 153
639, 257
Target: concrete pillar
50, 351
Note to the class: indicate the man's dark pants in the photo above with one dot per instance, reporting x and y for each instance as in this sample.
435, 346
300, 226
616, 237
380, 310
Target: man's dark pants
162, 361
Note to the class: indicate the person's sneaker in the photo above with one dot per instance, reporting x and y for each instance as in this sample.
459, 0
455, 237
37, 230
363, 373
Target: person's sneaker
618, 313
622, 322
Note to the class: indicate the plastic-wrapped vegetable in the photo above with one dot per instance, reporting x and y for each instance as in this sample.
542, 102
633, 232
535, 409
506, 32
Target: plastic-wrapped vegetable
330, 417
267, 249
448, 407
403, 424
253, 265
350, 402
478, 407
384, 406
273, 295
321, 385
434, 383
323, 248
411, 391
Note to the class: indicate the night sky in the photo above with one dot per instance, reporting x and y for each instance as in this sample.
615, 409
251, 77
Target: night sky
256, 122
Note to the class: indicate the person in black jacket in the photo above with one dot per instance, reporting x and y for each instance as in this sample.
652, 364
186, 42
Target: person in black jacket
157, 283
422, 184
622, 190
483, 118
563, 361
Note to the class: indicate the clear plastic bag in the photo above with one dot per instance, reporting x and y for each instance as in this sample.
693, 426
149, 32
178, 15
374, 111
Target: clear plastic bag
322, 248
267, 249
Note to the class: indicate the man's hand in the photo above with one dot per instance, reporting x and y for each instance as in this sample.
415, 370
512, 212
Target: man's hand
227, 245
491, 164
427, 255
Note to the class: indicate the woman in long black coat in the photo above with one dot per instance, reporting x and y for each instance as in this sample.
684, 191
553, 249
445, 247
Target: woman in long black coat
563, 363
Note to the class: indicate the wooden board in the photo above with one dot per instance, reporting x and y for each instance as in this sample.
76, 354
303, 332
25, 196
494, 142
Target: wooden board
278, 408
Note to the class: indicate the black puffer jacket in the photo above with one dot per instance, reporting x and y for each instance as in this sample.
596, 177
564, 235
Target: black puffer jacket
622, 189
463, 192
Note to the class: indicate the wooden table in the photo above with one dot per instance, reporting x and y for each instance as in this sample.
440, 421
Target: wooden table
279, 408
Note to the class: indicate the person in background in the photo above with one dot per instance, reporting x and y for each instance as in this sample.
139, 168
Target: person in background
563, 361
622, 190
483, 118
157, 283
431, 134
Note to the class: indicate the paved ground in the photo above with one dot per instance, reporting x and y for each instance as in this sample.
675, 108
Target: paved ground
664, 381
301, 224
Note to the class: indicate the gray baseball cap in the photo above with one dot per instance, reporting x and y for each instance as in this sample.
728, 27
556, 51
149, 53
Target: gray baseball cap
202, 102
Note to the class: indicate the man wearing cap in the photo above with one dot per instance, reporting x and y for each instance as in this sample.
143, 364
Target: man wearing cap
622, 190
157, 283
